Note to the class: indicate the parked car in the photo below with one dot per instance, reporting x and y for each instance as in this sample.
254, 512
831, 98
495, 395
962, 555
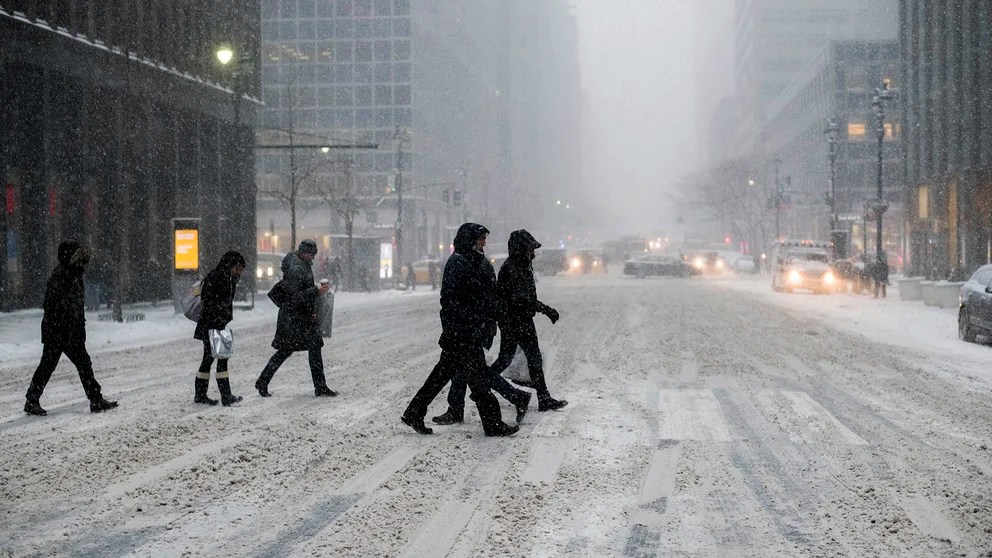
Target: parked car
745, 264
653, 264
708, 263
421, 270
975, 310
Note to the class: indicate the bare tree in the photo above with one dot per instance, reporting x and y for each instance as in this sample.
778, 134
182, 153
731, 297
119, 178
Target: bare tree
335, 185
304, 167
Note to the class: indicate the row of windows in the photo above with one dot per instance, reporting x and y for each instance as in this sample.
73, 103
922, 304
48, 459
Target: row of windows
341, 74
336, 51
338, 119
339, 96
859, 130
292, 9
340, 29
364, 162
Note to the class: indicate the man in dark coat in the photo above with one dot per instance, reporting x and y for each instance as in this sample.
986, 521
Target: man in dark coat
63, 330
298, 325
518, 291
468, 324
880, 275
217, 296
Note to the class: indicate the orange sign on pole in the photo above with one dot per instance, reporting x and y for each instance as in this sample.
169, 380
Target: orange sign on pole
187, 249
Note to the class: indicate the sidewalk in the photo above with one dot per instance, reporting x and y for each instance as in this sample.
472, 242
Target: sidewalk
20, 332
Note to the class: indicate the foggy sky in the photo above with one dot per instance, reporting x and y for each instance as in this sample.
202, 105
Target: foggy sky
643, 63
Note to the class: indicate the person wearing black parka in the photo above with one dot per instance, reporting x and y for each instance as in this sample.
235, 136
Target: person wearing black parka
217, 295
298, 325
63, 330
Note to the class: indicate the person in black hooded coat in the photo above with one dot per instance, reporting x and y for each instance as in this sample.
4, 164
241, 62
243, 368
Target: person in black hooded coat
217, 295
517, 289
469, 311
298, 325
63, 330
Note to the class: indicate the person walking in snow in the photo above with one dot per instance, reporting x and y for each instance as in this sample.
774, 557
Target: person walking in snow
217, 295
63, 330
468, 326
517, 290
298, 325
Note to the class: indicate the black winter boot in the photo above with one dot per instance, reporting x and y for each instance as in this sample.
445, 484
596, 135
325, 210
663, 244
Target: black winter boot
34, 408
550, 404
226, 398
449, 417
521, 405
502, 429
100, 405
324, 391
200, 386
416, 423
262, 388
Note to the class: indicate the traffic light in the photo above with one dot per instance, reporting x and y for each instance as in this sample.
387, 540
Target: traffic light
457, 197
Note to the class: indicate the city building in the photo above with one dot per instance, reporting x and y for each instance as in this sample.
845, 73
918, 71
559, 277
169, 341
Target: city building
839, 85
469, 110
115, 118
947, 147
775, 40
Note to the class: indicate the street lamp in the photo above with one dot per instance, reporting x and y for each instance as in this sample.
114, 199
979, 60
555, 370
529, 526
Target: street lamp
879, 205
831, 133
224, 55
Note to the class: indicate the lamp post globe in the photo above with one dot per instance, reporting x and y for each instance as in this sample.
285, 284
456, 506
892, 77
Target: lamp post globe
224, 55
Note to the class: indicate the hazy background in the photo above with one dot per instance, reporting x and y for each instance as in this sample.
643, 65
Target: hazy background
653, 71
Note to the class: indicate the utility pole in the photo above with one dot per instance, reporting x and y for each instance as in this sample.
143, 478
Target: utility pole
879, 206
778, 198
402, 136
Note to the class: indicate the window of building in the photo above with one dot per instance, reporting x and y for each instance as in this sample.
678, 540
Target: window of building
383, 7
325, 9
889, 130
404, 117
287, 9
383, 28
363, 118
401, 50
307, 30
401, 27
401, 95
306, 9
344, 51
363, 73
382, 51
344, 96
855, 77
856, 130
363, 28
401, 72
383, 73
401, 7
363, 51
344, 8
363, 96
344, 73
383, 95
344, 28
923, 202
363, 8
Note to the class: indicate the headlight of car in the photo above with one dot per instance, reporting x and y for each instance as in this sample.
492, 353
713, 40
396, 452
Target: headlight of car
795, 277
258, 272
719, 264
828, 278
576, 263
269, 272
699, 263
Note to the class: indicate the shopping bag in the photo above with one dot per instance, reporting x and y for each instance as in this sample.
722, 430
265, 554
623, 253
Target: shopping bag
192, 303
326, 313
221, 343
517, 371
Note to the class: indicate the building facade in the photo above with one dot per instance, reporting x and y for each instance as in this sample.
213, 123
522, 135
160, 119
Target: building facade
948, 143
839, 85
115, 118
775, 40
473, 108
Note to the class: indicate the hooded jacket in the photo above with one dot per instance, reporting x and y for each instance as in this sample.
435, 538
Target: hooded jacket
64, 323
217, 295
469, 309
516, 288
298, 326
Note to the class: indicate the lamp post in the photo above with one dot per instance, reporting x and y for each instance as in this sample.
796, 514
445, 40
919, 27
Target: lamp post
879, 205
402, 136
831, 133
778, 199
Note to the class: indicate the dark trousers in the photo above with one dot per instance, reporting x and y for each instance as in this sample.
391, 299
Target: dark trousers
524, 336
467, 364
204, 371
49, 360
316, 367
499, 384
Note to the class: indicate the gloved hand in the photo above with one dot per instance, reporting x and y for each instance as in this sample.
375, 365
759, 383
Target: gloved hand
551, 313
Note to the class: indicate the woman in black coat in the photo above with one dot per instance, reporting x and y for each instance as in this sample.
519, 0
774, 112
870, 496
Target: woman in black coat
298, 325
217, 295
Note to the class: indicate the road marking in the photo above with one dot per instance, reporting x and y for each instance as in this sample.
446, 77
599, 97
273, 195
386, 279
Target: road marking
928, 519
690, 368
813, 413
658, 486
691, 414
545, 460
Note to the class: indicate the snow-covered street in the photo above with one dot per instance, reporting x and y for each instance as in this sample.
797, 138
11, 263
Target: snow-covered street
707, 417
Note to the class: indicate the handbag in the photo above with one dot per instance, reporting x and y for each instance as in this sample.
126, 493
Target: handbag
221, 343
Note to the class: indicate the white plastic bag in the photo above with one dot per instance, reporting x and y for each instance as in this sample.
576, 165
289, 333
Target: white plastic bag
326, 313
517, 371
221, 343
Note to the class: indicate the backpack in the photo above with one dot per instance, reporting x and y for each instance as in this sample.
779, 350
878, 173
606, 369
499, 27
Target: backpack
192, 303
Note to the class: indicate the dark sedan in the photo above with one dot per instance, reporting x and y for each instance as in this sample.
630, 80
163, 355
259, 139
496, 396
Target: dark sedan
975, 312
644, 266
